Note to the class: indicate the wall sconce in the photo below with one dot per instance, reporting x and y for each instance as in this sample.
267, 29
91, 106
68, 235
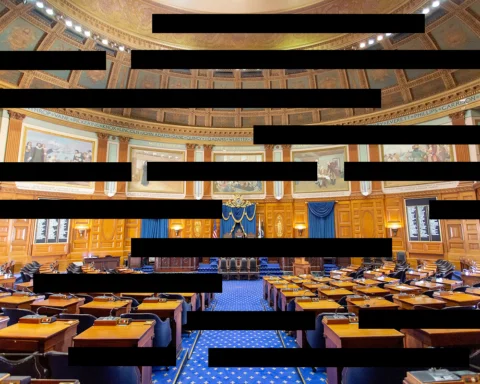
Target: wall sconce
300, 227
82, 229
394, 227
177, 228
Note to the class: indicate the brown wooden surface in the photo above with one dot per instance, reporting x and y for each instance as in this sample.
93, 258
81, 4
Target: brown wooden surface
71, 305
334, 294
403, 288
459, 299
287, 296
22, 302
374, 303
421, 338
371, 291
104, 308
343, 284
22, 337
407, 302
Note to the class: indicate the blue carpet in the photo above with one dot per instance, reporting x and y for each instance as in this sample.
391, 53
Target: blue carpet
236, 296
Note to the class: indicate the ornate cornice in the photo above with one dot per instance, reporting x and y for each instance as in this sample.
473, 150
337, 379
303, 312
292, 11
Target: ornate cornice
16, 115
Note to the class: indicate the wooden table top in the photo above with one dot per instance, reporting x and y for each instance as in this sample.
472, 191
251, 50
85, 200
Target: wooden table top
133, 331
376, 303
58, 303
460, 298
385, 279
300, 293
343, 284
322, 279
167, 305
313, 285
28, 284
106, 304
453, 283
418, 300
4, 294
333, 292
36, 331
286, 285
272, 278
4, 279
428, 284
289, 277
339, 272
19, 299
366, 282
341, 278
402, 288
445, 337
139, 294
317, 305
351, 331
300, 281
473, 291
372, 290
372, 274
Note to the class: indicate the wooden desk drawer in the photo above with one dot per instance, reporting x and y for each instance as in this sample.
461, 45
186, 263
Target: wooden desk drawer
12, 345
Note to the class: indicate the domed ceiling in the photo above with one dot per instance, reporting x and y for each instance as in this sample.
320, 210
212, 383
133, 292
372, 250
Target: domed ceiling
454, 25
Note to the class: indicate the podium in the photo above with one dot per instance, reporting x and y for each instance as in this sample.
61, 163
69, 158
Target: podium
301, 266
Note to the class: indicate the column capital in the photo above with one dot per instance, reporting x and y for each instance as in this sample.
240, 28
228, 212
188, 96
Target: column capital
124, 139
269, 147
191, 146
457, 116
16, 115
286, 146
103, 136
208, 147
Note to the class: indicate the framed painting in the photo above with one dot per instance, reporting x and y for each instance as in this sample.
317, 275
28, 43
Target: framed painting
415, 153
39, 145
238, 187
140, 185
330, 169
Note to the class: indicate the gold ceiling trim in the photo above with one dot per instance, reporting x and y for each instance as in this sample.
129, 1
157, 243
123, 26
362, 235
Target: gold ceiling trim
238, 202
137, 126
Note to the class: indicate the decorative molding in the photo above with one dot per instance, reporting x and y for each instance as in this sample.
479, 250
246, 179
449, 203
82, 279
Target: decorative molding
103, 136
16, 115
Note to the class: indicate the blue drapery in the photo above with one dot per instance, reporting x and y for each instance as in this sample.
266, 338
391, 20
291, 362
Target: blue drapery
154, 228
321, 220
244, 217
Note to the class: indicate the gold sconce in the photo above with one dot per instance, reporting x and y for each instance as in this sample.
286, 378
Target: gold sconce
177, 228
394, 227
300, 227
82, 229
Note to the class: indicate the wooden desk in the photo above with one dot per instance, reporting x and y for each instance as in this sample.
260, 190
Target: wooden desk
415, 275
24, 286
287, 296
138, 296
374, 303
3, 321
7, 281
408, 302
171, 309
136, 334
341, 278
105, 308
270, 285
427, 285
372, 274
388, 280
103, 263
448, 284
334, 294
343, 284
371, 291
403, 288
459, 299
323, 280
189, 298
423, 338
71, 305
318, 307
350, 336
22, 337
366, 282
274, 292
471, 278
313, 286
21, 302
266, 280
473, 291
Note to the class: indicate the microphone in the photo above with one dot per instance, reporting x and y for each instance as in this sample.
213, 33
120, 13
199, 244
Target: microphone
336, 310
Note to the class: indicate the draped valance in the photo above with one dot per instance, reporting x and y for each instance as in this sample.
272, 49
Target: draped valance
238, 212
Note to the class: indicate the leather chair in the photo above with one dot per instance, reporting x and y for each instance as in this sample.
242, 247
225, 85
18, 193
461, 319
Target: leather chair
253, 269
232, 267
243, 270
15, 313
429, 293
22, 364
186, 307
85, 320
389, 297
59, 369
461, 289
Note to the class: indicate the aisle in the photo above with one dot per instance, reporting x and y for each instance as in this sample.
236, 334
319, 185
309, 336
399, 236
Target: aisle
236, 296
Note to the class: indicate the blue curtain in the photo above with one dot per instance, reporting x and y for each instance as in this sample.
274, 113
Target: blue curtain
154, 228
244, 217
321, 220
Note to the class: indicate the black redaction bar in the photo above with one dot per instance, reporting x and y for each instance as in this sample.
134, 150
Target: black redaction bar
307, 59
288, 23
111, 209
191, 98
136, 283
121, 356
243, 320
65, 172
337, 357
53, 60
411, 171
244, 171
454, 209
336, 247
360, 134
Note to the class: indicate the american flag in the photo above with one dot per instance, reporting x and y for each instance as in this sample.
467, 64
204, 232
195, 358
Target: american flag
215, 229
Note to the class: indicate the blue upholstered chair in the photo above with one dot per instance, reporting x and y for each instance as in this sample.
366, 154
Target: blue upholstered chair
22, 364
186, 307
429, 293
87, 298
85, 320
461, 289
460, 308
14, 314
162, 332
59, 369
389, 297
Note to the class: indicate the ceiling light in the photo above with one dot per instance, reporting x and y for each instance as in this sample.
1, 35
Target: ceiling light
121, 48
435, 4
39, 4
371, 41
49, 11
426, 11
87, 33
388, 34
362, 45
105, 41
380, 37
78, 28
69, 23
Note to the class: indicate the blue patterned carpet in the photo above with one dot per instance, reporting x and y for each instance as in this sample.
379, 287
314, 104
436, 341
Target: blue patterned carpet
236, 296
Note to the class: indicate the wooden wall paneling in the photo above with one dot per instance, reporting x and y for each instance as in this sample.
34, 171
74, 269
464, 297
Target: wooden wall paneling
279, 217
4, 240
15, 125
80, 245
20, 241
133, 229
300, 209
343, 219
394, 213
